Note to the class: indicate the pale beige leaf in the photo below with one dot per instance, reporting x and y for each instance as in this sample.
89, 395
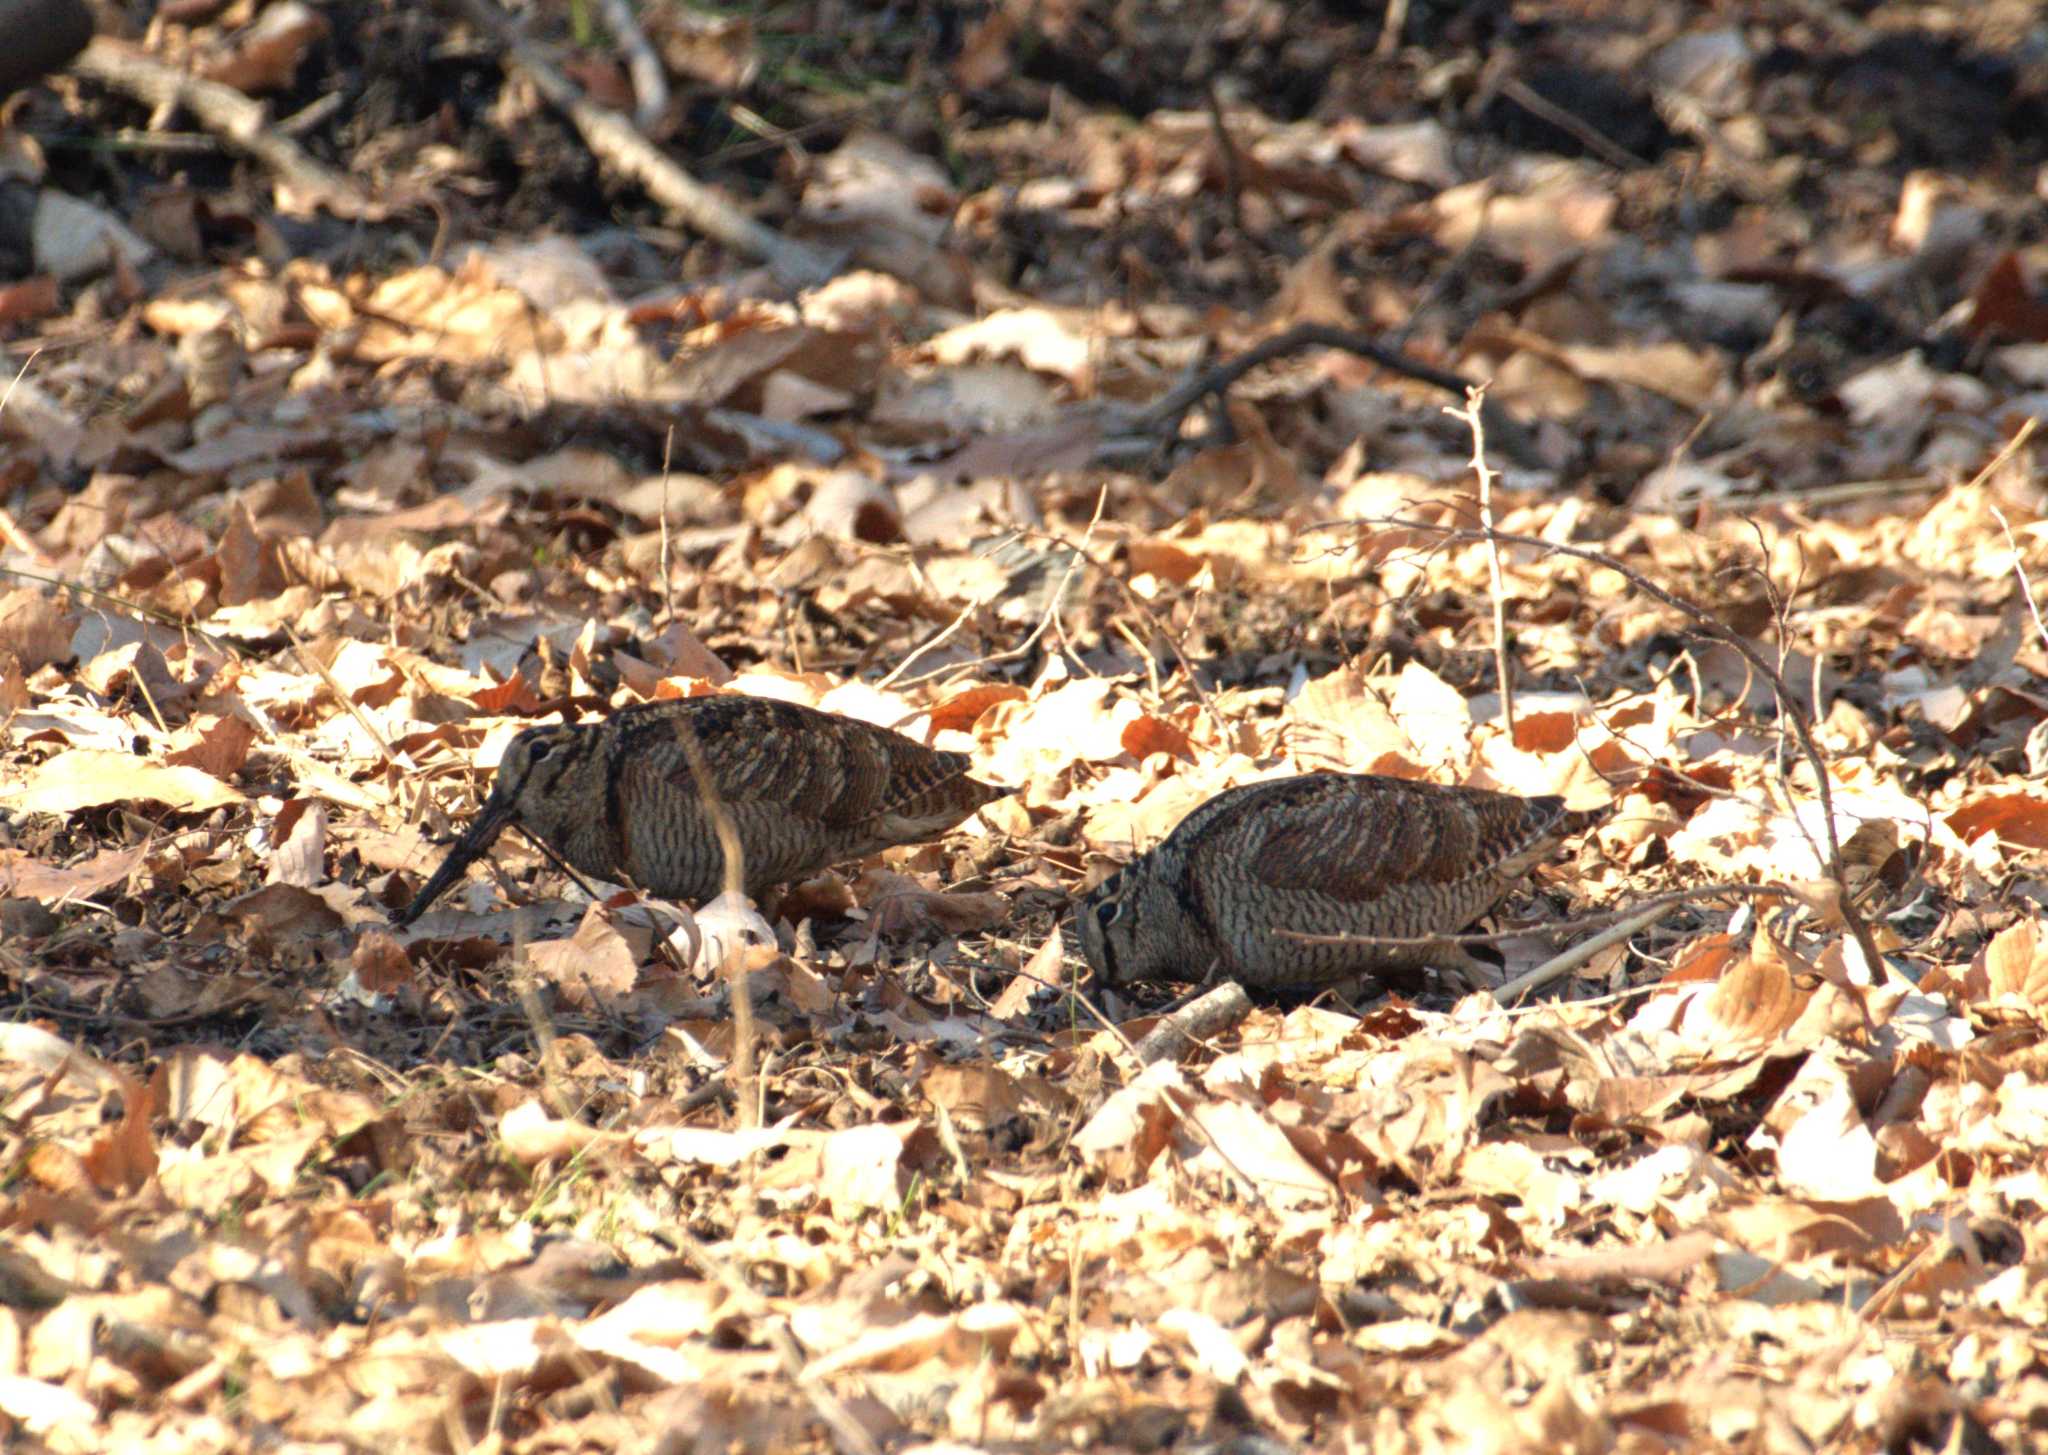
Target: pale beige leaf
92, 777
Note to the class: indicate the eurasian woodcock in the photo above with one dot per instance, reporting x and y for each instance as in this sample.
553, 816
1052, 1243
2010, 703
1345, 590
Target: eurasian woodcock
1325, 854
625, 797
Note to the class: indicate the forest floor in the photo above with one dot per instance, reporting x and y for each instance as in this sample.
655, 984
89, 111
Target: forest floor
336, 451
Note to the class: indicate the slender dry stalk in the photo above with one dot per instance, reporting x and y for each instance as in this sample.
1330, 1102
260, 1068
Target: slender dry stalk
1788, 705
1475, 397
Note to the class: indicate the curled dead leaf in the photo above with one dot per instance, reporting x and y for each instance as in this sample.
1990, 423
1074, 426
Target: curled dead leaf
2015, 966
1755, 1000
214, 744
1146, 735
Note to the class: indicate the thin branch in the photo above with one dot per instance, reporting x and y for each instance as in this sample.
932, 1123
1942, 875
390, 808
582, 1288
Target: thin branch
2019, 569
1788, 705
1604, 917
1475, 399
1164, 416
1045, 619
615, 142
1228, 157
1593, 140
229, 114
2012, 447
1558, 966
1201, 1018
650, 81
1144, 609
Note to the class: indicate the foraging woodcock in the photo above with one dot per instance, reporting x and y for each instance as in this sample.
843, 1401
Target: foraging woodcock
1325, 854
625, 798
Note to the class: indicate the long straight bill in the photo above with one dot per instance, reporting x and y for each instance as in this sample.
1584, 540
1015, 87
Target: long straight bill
467, 850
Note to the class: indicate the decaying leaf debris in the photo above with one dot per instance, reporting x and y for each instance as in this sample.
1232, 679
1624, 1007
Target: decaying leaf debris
371, 402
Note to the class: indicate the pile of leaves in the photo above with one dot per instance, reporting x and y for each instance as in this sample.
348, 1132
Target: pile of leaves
310, 503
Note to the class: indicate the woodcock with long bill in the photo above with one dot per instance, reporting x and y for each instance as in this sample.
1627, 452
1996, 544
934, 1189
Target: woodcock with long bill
631, 797
1323, 854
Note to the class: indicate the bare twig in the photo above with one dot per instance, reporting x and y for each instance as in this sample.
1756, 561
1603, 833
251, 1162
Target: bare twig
1570, 960
1144, 609
228, 113
945, 635
742, 1063
1045, 620
616, 143
1604, 917
19, 375
1708, 625
1164, 416
2013, 447
650, 81
1475, 399
2019, 569
1391, 25
1205, 1016
668, 581
1597, 142
348, 703
1227, 156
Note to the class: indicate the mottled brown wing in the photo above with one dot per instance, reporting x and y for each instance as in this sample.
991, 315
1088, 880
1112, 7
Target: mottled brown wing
836, 771
1357, 838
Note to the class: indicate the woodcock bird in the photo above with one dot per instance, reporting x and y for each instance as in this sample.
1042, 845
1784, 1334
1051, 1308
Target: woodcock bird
625, 798
1323, 854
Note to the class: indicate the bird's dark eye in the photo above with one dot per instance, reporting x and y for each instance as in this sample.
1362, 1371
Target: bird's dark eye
1108, 912
537, 749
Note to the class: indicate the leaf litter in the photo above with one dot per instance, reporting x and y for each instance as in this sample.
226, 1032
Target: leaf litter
299, 547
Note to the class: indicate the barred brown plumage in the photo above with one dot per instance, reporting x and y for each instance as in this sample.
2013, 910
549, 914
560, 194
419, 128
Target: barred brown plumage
1326, 854
625, 798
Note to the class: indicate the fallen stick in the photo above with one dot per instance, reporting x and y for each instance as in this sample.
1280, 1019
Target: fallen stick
1163, 416
615, 141
650, 81
303, 183
1198, 1020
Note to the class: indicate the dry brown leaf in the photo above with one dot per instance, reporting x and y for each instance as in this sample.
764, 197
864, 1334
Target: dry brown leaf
599, 961
21, 874
984, 58
1343, 721
301, 856
283, 910
1135, 1124
215, 744
1164, 559
381, 963
1045, 970
94, 777
900, 904
1754, 1000
1143, 736
34, 628
530, 1135
978, 1098
863, 1167
123, 1157
961, 711
2018, 819
2015, 966
266, 56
